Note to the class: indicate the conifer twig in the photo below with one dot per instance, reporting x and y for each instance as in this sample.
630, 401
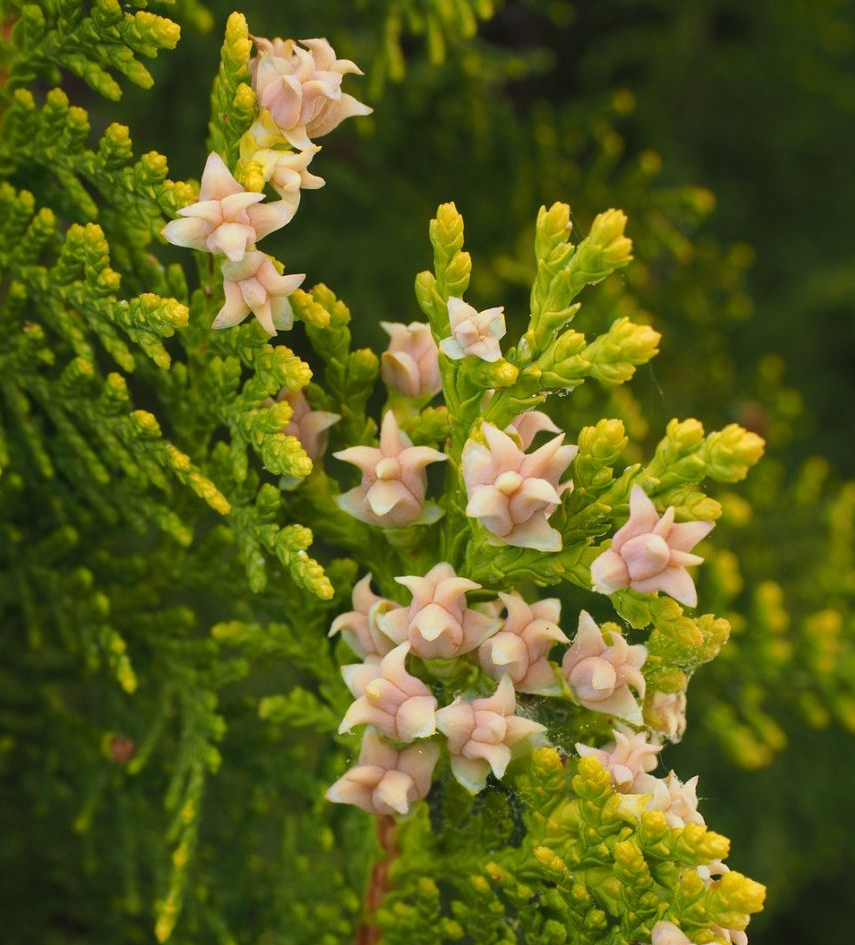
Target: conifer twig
367, 932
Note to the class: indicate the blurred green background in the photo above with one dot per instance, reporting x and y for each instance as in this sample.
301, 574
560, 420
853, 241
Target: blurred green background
753, 101
725, 129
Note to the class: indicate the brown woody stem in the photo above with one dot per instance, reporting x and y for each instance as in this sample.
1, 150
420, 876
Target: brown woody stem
367, 932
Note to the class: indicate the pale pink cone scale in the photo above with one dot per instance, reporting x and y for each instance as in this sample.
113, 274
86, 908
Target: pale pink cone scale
385, 780
397, 704
438, 623
254, 285
307, 425
482, 733
666, 713
473, 334
520, 648
650, 554
410, 364
600, 673
299, 84
666, 933
359, 626
513, 493
226, 219
527, 425
627, 758
287, 171
678, 801
394, 481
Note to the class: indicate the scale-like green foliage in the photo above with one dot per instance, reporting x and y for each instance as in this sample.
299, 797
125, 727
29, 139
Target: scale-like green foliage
93, 40
572, 862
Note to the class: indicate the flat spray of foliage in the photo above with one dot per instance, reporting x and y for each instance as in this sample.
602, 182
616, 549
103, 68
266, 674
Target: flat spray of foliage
170, 697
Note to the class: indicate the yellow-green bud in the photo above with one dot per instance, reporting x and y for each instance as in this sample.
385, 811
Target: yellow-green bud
607, 232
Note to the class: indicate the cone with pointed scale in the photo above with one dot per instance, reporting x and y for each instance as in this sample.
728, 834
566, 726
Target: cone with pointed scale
386, 781
482, 733
512, 493
439, 623
254, 285
527, 425
474, 334
601, 673
299, 84
359, 626
520, 648
226, 218
650, 554
307, 425
410, 364
629, 757
387, 697
392, 491
287, 172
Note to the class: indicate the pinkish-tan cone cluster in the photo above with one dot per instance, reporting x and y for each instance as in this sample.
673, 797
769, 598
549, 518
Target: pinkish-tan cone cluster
226, 219
482, 733
650, 554
392, 491
666, 713
666, 933
512, 493
601, 672
520, 649
359, 626
299, 84
629, 757
629, 760
439, 624
254, 285
307, 425
387, 697
386, 780
299, 89
410, 365
474, 334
